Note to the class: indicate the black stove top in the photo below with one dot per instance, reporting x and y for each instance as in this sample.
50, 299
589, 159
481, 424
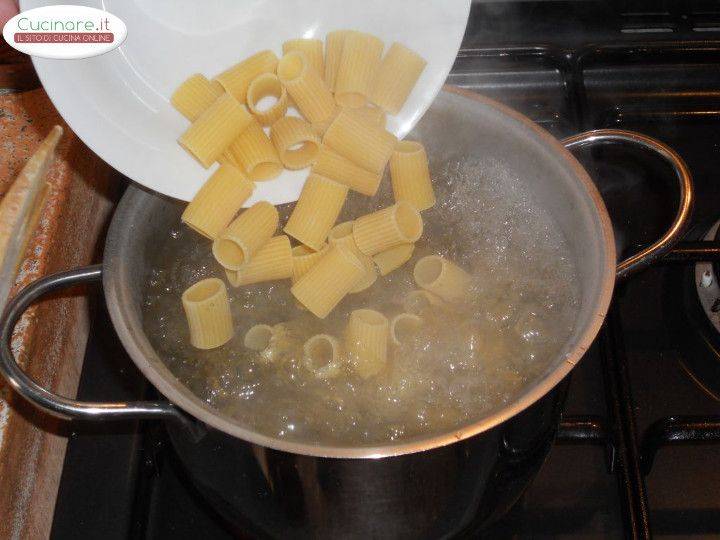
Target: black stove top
639, 444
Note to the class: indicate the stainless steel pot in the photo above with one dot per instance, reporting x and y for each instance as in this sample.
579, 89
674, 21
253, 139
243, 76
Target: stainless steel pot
429, 487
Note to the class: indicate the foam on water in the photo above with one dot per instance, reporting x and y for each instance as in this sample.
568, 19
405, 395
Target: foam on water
466, 361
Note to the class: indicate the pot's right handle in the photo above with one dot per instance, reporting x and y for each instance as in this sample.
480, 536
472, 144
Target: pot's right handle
649, 254
59, 406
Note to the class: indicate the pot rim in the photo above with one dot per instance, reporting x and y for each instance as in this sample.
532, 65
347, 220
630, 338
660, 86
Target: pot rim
203, 412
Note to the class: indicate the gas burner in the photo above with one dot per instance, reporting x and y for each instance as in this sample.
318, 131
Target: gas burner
703, 311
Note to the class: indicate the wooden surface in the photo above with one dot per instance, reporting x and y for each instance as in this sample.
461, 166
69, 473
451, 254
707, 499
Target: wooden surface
51, 337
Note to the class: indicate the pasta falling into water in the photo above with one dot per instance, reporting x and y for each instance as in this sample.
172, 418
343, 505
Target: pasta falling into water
272, 262
410, 175
366, 340
207, 309
247, 234
387, 228
321, 355
442, 278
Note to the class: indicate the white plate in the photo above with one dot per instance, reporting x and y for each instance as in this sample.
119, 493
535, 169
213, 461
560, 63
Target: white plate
118, 103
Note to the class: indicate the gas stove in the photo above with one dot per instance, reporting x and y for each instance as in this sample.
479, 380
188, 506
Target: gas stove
637, 449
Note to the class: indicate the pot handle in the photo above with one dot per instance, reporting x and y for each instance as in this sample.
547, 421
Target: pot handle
59, 406
648, 255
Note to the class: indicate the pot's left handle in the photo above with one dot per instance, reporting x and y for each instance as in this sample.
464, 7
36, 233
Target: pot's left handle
59, 406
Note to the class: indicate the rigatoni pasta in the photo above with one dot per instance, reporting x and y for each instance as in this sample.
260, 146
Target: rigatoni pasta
207, 309
312, 48
410, 175
305, 85
403, 327
237, 79
322, 356
255, 153
393, 258
258, 337
264, 86
218, 200
387, 228
364, 143
274, 261
341, 235
221, 123
336, 167
334, 42
366, 340
395, 78
195, 95
316, 211
246, 235
304, 258
442, 277
419, 300
371, 114
327, 282
296, 142
359, 62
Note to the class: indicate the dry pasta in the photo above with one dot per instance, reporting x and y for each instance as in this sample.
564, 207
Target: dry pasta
441, 277
271, 262
419, 300
333, 51
366, 340
321, 356
321, 127
296, 142
410, 175
258, 337
395, 78
359, 62
393, 258
327, 282
366, 144
237, 79
304, 258
336, 167
313, 49
341, 235
263, 86
316, 211
305, 85
218, 200
370, 114
221, 123
195, 95
403, 327
255, 153
246, 235
207, 309
398, 224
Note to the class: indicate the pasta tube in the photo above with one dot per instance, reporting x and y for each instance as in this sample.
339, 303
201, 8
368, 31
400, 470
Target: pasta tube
366, 340
442, 277
218, 200
313, 49
410, 175
333, 51
296, 142
403, 327
316, 211
195, 95
395, 78
254, 152
237, 79
207, 309
387, 228
263, 86
341, 235
304, 259
327, 282
359, 62
208, 137
419, 300
365, 144
272, 262
321, 355
258, 337
250, 231
305, 85
393, 258
334, 166
370, 114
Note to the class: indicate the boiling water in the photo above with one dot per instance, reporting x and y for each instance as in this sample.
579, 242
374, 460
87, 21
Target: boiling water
466, 361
